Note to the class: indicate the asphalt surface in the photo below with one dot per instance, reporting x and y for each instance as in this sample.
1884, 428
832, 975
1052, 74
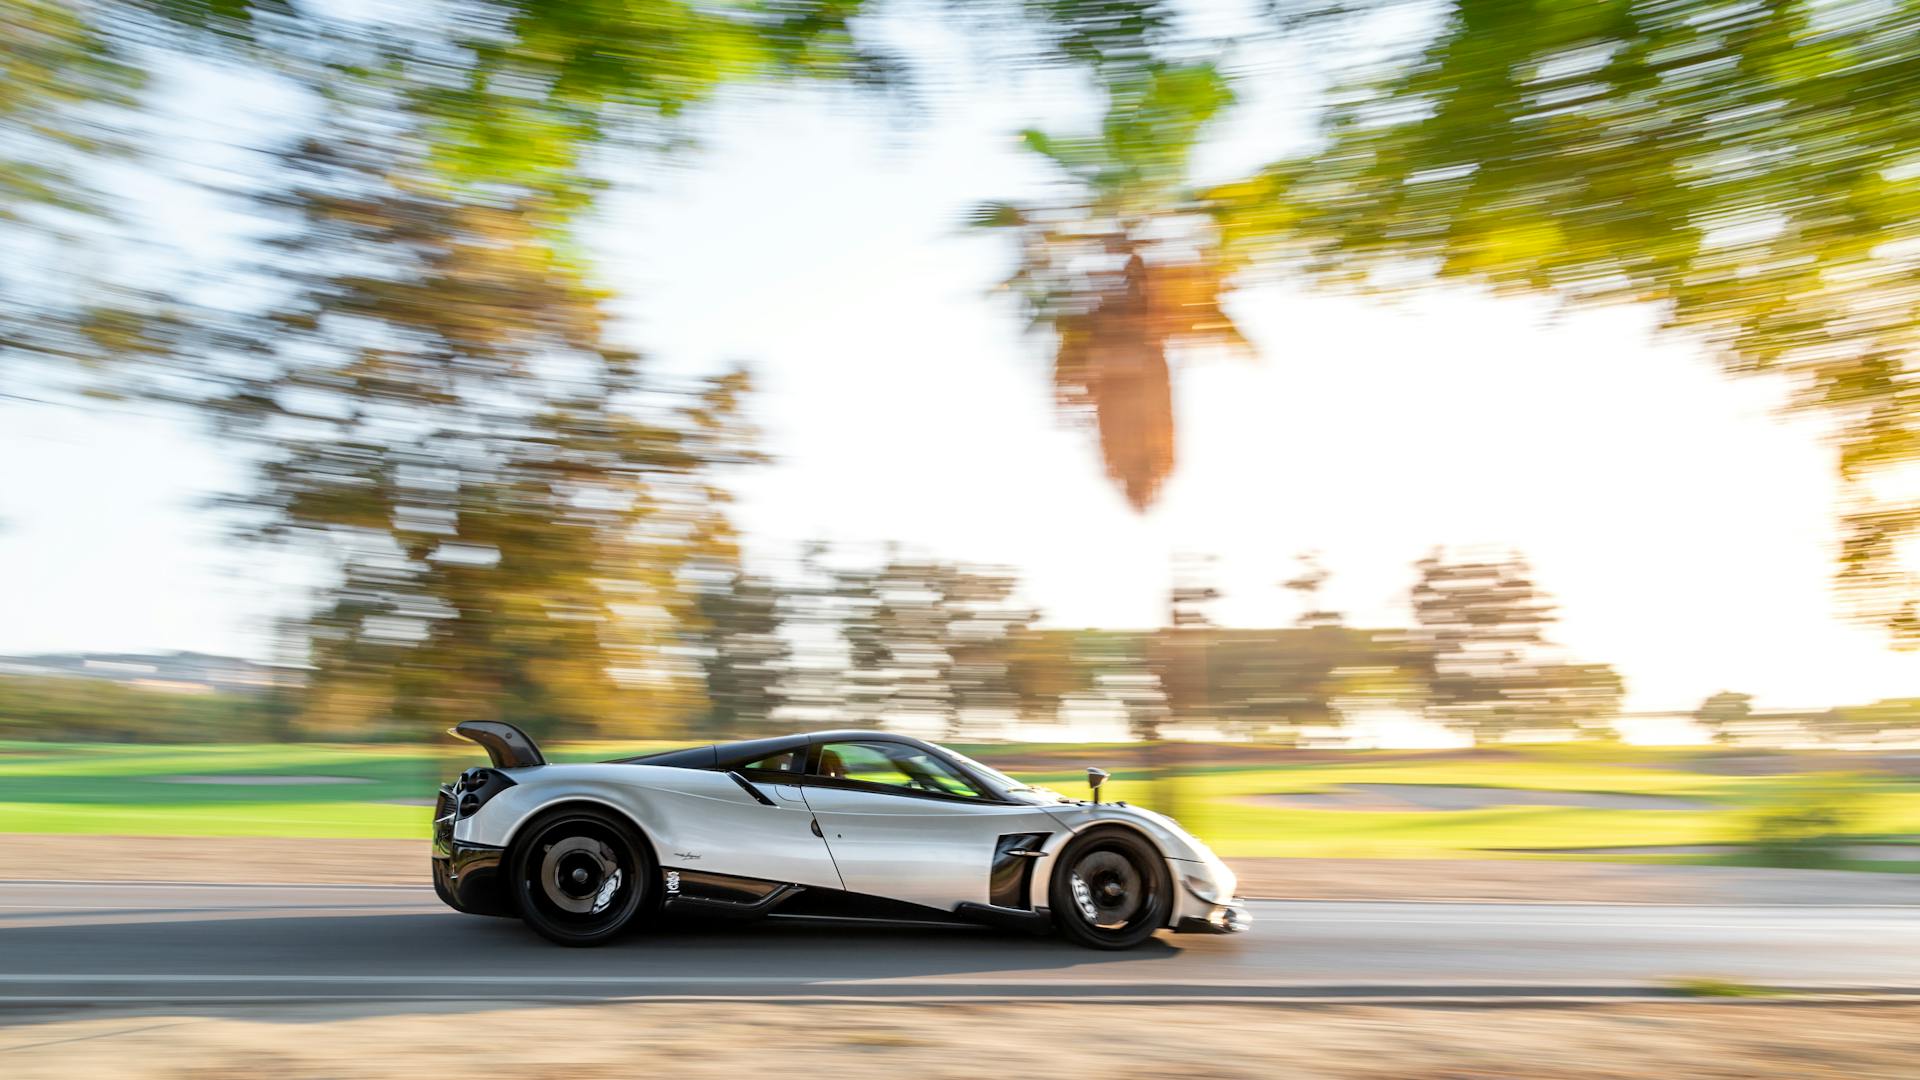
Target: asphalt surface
78, 942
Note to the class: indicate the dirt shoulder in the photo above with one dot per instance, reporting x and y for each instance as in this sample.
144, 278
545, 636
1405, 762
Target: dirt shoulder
695, 1040
218, 860
404, 862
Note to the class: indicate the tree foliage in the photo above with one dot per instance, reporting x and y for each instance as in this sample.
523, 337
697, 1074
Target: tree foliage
926, 639
1752, 170
511, 506
64, 80
1312, 578
1123, 269
1895, 720
744, 653
1482, 623
60, 77
1723, 713
64, 708
505, 500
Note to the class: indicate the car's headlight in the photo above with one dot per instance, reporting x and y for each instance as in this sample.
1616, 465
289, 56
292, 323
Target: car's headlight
1204, 888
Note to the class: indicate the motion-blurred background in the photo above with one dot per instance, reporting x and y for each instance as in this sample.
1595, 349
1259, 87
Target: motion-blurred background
1414, 428
1454, 451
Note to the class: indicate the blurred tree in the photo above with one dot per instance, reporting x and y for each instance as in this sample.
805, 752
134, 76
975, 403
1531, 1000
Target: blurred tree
508, 504
1582, 698
67, 88
1330, 675
928, 640
1180, 659
1268, 684
62, 82
48, 708
1723, 713
1307, 585
1894, 720
1483, 622
524, 90
1747, 169
1260, 683
735, 624
1124, 268
1045, 670
743, 653
511, 95
1194, 591
812, 608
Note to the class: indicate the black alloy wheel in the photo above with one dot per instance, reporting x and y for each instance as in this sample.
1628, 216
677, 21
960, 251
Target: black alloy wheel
579, 876
1110, 890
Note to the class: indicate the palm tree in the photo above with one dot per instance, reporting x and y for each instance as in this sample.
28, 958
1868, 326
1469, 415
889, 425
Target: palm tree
1126, 267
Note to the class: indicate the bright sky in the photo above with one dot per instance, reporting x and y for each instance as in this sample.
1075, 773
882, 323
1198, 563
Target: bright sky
1684, 528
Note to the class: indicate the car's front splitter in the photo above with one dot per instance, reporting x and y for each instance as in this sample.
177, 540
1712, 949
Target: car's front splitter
1228, 918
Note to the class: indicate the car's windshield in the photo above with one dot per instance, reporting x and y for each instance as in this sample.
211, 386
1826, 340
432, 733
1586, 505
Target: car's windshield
995, 776
893, 764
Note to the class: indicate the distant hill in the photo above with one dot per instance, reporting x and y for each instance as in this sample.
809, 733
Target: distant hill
185, 671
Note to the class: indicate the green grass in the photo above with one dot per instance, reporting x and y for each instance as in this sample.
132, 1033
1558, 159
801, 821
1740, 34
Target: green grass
1213, 804
122, 789
1721, 988
253, 818
114, 789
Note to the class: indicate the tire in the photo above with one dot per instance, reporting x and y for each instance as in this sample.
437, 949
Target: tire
579, 876
1123, 892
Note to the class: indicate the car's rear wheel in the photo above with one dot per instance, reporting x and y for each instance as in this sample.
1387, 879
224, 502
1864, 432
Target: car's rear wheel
580, 875
1110, 890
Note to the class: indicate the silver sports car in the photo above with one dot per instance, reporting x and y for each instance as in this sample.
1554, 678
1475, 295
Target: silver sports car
863, 824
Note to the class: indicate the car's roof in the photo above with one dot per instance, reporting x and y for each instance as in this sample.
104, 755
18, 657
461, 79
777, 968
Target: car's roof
745, 750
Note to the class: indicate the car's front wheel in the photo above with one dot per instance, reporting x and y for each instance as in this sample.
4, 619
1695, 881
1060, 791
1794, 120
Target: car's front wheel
1110, 890
580, 875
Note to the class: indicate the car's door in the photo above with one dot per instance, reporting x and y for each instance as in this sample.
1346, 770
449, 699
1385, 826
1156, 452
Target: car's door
722, 826
905, 825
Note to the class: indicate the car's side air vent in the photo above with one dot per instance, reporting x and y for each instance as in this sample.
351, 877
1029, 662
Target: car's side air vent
1008, 886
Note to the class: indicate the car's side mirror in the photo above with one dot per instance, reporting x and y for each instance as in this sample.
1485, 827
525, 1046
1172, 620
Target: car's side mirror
1096, 777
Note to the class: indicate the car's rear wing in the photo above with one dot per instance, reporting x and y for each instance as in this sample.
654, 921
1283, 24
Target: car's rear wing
507, 746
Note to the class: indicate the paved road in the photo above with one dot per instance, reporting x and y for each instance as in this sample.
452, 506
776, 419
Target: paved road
65, 942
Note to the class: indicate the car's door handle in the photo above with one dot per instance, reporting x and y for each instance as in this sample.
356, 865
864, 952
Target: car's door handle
816, 829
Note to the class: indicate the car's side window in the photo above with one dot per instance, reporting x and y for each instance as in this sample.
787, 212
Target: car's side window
792, 761
894, 765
